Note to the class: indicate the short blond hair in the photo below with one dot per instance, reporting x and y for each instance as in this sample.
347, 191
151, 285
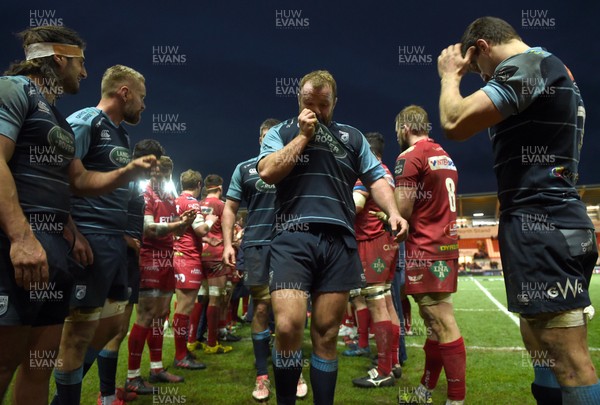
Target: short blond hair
117, 76
415, 117
319, 79
189, 179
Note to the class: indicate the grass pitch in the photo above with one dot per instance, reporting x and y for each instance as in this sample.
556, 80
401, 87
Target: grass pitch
498, 368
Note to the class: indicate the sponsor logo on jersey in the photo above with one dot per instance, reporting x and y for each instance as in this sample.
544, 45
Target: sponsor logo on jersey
564, 173
105, 135
324, 137
446, 248
399, 170
505, 73
415, 279
80, 291
440, 269
344, 136
264, 187
62, 141
120, 156
253, 171
378, 265
206, 210
43, 107
441, 163
388, 247
451, 230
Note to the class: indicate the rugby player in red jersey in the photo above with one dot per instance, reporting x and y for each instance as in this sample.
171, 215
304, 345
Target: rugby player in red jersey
426, 180
187, 262
212, 266
379, 254
157, 279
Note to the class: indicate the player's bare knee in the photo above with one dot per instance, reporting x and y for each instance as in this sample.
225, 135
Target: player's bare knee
289, 326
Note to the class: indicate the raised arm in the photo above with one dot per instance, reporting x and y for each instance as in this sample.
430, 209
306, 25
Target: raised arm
462, 117
278, 164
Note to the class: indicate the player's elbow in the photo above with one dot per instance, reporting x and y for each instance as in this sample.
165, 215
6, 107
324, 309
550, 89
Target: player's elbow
266, 173
455, 132
201, 231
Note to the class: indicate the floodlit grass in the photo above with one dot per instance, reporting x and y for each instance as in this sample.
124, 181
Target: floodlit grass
498, 370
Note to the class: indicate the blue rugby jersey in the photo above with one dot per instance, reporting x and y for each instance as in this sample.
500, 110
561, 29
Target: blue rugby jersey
102, 146
319, 187
246, 185
135, 210
537, 146
44, 149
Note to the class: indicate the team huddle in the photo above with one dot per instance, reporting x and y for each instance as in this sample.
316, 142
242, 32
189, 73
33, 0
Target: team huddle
91, 227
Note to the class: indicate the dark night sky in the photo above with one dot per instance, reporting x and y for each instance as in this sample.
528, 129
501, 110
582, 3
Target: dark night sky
230, 64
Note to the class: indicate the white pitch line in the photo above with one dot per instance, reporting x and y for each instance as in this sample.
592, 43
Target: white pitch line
495, 349
496, 302
484, 348
475, 310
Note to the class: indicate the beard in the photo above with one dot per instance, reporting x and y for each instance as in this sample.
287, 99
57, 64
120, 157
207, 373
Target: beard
132, 117
403, 144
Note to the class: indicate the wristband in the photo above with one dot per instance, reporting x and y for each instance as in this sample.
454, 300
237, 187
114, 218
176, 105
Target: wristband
209, 223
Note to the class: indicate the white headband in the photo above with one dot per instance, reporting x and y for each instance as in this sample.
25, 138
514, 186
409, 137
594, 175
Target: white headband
43, 49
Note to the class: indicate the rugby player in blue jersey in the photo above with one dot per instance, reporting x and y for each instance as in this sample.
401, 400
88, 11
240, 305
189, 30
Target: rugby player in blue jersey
38, 165
535, 116
314, 163
246, 186
100, 292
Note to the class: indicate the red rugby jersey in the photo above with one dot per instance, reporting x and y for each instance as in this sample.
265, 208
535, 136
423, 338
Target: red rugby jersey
214, 206
367, 226
162, 209
189, 244
429, 170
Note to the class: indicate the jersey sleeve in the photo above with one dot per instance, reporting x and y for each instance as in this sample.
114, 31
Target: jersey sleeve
271, 143
517, 82
83, 134
388, 176
235, 185
359, 186
14, 105
407, 170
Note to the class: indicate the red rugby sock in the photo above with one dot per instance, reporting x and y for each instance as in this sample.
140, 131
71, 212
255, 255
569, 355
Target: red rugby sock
454, 357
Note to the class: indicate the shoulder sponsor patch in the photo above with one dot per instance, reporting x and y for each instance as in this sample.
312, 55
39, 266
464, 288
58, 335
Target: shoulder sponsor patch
441, 163
505, 73
399, 169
